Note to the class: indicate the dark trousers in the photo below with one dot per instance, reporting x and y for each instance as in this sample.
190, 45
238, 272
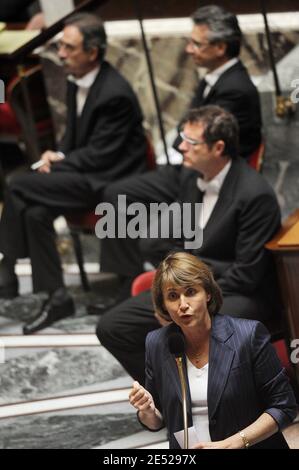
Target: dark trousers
31, 203
123, 329
125, 256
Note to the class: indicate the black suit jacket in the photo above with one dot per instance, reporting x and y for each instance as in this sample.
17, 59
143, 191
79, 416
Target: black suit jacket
245, 217
245, 379
235, 92
107, 142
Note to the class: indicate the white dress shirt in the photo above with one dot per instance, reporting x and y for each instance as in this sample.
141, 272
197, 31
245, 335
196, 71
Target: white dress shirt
84, 84
198, 384
211, 191
212, 77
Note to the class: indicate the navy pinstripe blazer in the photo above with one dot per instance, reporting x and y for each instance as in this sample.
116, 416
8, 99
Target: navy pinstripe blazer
245, 379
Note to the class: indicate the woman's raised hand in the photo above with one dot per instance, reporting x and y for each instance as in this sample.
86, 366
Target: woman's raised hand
141, 399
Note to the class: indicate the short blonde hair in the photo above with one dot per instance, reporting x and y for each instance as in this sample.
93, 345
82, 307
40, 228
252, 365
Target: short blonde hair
184, 269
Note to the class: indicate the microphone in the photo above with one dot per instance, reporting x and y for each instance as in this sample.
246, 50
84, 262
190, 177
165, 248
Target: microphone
176, 345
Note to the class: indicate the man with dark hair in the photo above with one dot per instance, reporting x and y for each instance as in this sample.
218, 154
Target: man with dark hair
222, 26
104, 141
240, 214
215, 45
93, 33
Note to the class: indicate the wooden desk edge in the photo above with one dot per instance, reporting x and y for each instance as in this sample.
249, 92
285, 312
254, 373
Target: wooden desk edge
288, 223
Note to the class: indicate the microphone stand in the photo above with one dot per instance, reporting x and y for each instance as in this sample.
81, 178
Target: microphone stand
179, 362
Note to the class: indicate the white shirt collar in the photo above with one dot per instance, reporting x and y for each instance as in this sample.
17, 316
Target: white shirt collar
87, 80
215, 184
212, 77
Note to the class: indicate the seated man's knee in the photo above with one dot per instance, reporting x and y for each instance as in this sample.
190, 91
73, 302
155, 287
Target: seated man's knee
15, 183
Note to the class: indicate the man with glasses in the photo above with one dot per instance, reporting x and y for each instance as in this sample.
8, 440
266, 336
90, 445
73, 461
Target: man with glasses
240, 214
104, 141
215, 45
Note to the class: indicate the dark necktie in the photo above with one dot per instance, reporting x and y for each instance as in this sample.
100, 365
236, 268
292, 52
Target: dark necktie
72, 124
198, 98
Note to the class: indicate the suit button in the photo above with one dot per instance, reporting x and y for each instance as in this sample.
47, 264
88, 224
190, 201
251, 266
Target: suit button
213, 421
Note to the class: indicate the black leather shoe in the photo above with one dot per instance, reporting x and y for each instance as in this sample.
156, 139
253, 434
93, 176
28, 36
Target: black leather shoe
51, 312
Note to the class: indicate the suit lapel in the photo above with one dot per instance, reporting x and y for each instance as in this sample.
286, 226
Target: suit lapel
70, 138
225, 199
198, 99
92, 98
224, 76
220, 361
189, 191
172, 370
173, 373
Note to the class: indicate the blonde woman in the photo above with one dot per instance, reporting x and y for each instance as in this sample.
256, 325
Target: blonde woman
238, 393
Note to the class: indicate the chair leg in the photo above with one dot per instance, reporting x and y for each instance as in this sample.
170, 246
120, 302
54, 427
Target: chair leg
79, 257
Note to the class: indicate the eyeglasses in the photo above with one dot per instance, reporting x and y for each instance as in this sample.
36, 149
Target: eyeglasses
191, 141
66, 46
197, 44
